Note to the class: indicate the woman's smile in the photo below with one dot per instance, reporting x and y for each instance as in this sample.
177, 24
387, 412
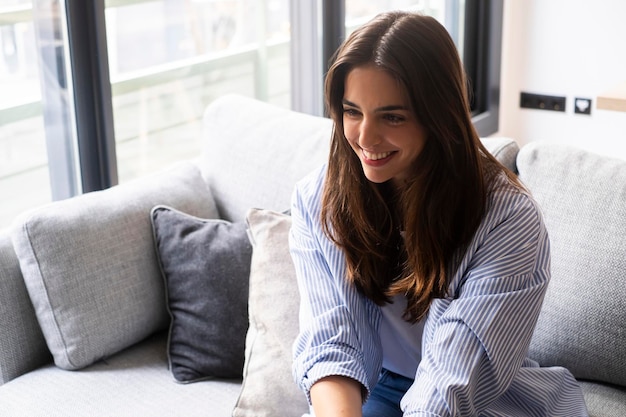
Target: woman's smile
374, 157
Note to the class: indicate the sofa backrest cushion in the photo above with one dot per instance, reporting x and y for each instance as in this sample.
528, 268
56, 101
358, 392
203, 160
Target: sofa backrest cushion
504, 149
255, 153
22, 346
582, 325
90, 266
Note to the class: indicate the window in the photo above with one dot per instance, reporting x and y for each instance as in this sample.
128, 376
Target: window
24, 175
482, 45
95, 93
475, 26
166, 69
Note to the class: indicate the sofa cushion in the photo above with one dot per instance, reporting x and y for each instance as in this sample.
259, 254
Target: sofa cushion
268, 388
206, 267
22, 346
504, 149
256, 152
604, 400
90, 266
132, 383
582, 324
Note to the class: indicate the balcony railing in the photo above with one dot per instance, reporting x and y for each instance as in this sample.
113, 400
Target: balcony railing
157, 111
156, 75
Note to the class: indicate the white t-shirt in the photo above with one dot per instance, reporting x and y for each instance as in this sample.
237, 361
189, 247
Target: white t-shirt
401, 340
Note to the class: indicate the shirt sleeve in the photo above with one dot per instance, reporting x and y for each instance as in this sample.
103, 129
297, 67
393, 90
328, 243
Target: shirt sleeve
476, 341
337, 335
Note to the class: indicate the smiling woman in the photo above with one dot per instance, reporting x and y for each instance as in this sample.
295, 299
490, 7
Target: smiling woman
422, 261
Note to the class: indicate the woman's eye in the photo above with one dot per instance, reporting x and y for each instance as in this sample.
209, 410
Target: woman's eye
394, 118
350, 112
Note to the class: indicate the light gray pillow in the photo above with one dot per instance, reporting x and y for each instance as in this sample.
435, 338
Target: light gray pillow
268, 388
582, 324
206, 268
90, 266
504, 149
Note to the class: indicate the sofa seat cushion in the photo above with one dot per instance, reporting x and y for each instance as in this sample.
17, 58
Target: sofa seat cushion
582, 325
135, 382
90, 266
604, 400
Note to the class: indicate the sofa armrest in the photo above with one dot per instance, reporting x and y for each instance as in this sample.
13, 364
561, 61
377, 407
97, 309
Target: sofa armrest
22, 346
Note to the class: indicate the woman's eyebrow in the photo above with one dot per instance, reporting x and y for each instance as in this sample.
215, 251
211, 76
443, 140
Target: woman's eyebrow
392, 108
379, 109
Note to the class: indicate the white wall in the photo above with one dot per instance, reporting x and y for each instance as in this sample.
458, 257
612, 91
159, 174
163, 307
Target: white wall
571, 48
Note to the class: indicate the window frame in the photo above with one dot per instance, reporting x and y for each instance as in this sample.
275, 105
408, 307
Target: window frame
482, 46
79, 131
482, 59
89, 64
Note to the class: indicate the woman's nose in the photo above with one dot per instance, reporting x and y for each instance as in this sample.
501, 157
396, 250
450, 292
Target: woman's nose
368, 135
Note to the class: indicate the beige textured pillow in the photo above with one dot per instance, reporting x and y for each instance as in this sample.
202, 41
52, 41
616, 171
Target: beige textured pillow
268, 387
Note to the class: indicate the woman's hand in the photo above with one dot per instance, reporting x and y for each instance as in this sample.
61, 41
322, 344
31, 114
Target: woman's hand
335, 396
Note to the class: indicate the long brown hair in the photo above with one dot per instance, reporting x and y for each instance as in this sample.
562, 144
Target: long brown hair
441, 206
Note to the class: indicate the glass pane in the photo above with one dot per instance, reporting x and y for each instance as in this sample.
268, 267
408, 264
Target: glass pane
24, 178
166, 69
37, 133
448, 12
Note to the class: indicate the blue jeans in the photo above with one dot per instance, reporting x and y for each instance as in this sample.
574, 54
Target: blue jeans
384, 400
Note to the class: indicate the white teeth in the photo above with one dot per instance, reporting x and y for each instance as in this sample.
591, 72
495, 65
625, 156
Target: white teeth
375, 156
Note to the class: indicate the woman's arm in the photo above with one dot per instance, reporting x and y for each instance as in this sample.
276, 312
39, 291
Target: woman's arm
476, 341
336, 396
338, 333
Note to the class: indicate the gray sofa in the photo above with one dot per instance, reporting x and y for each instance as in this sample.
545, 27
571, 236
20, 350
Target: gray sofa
87, 285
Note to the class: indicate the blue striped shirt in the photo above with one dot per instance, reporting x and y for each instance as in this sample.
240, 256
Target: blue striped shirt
475, 340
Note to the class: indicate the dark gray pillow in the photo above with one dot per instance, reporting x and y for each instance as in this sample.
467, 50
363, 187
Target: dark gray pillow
206, 267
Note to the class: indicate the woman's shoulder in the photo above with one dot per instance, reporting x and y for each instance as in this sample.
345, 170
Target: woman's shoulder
508, 199
501, 186
310, 187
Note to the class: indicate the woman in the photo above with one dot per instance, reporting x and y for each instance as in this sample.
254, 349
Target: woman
422, 262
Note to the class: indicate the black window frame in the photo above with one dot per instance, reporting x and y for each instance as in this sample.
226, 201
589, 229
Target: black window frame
482, 56
482, 53
89, 64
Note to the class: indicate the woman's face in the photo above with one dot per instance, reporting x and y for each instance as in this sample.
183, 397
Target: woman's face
379, 125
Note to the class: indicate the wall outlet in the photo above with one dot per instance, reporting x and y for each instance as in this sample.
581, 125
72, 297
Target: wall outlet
582, 105
542, 102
